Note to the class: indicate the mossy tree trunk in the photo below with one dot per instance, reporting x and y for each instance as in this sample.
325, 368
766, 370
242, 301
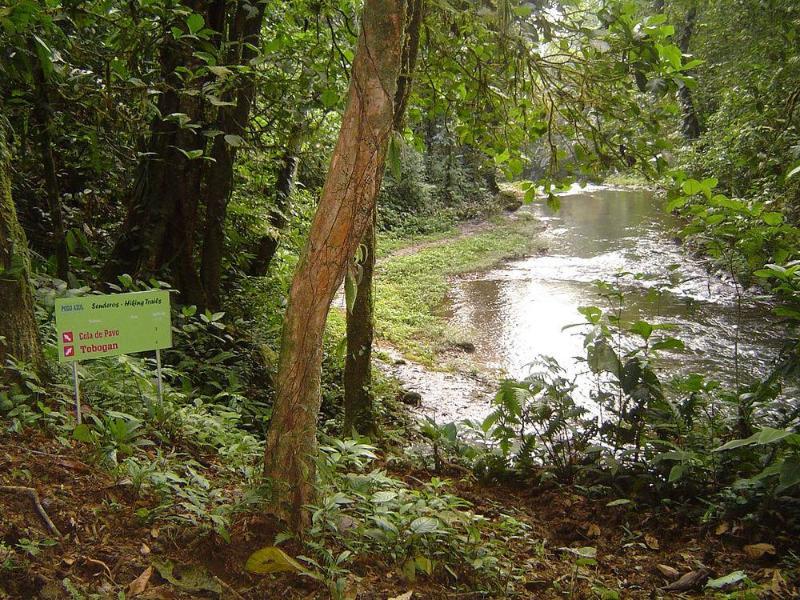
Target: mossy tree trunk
19, 334
342, 217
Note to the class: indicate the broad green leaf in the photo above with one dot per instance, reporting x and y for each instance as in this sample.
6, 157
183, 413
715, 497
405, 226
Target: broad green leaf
82, 433
272, 560
45, 56
219, 71
350, 291
582, 552
330, 98
767, 435
669, 343
424, 525
195, 22
602, 358
728, 580
234, 140
642, 329
772, 218
191, 154
695, 62
382, 497
619, 502
709, 183
409, 570
592, 313
789, 474
394, 156
691, 187
215, 101
423, 564
677, 472
671, 54
677, 203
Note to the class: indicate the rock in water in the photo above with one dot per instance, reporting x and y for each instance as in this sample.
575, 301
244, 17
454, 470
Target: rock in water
467, 347
411, 398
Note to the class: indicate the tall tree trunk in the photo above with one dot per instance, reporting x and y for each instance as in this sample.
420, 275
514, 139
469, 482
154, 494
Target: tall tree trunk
342, 217
160, 229
42, 116
359, 410
278, 216
690, 126
245, 32
19, 333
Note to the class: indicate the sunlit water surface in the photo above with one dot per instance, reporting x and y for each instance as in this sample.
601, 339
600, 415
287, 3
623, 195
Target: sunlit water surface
519, 310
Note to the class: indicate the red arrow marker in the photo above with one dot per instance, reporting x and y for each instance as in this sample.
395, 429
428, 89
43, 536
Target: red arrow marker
69, 351
67, 337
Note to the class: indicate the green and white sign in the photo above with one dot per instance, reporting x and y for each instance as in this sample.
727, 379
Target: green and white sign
96, 326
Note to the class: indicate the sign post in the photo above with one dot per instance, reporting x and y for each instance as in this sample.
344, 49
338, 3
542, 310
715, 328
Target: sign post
91, 327
77, 390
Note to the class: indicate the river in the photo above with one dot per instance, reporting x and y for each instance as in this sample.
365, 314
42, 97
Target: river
518, 310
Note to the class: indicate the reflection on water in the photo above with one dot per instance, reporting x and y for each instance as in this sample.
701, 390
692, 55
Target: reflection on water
516, 312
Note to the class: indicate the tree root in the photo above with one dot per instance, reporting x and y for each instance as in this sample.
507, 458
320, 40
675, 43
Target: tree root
34, 496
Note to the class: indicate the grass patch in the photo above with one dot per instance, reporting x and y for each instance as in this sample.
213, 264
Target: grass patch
411, 289
389, 242
627, 179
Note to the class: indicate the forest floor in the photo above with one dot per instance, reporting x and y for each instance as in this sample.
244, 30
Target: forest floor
106, 547
541, 534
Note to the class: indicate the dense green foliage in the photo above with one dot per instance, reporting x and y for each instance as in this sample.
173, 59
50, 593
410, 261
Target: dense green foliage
184, 146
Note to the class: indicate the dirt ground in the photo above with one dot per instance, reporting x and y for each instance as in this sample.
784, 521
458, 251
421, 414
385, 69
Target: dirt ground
106, 548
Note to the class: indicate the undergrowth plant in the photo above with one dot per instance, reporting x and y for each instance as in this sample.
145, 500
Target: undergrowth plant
627, 428
421, 532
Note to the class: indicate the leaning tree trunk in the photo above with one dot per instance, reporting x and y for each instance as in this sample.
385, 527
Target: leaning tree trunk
19, 334
342, 217
359, 409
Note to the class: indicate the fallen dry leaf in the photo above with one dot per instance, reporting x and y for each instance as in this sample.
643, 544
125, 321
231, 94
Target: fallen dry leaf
145, 549
778, 586
667, 571
651, 542
756, 551
139, 584
690, 580
593, 530
405, 596
72, 464
722, 528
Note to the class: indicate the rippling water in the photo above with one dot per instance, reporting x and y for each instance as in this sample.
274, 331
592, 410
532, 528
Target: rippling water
517, 311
